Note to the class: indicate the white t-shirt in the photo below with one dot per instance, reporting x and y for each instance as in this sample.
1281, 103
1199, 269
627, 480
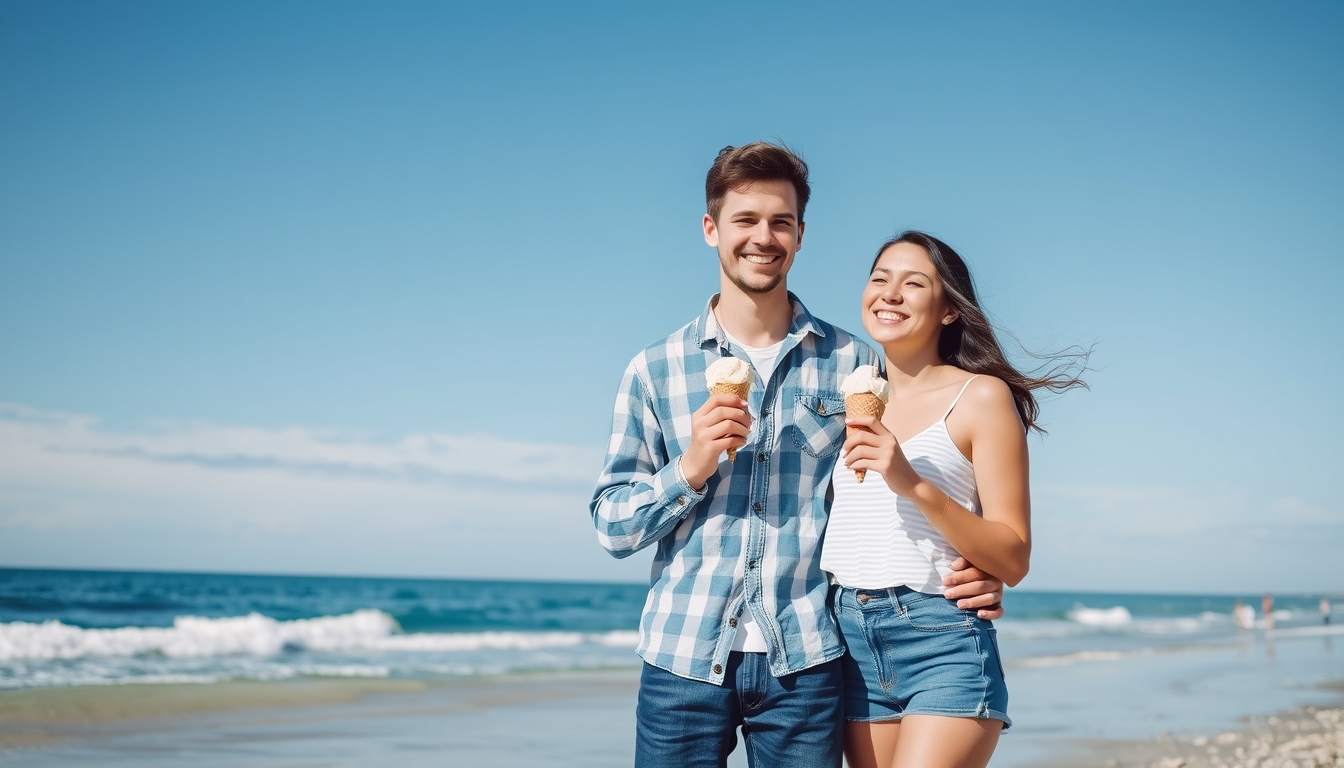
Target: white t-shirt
749, 637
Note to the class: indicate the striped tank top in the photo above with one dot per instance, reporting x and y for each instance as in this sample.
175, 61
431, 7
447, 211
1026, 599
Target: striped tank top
876, 539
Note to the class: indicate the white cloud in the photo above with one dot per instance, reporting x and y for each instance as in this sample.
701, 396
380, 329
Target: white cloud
73, 494
207, 497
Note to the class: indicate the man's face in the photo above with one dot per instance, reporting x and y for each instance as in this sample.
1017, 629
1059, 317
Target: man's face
757, 234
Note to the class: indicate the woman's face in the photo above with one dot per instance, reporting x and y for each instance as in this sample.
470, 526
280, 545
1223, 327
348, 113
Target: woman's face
904, 302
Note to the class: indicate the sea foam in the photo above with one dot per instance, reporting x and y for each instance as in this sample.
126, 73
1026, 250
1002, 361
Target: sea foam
1119, 616
261, 636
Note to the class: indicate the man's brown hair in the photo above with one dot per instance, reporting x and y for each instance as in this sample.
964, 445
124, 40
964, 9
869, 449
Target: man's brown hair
736, 167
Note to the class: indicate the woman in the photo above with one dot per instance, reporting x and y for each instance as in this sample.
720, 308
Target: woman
924, 684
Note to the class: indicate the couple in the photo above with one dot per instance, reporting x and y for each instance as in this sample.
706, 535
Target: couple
877, 639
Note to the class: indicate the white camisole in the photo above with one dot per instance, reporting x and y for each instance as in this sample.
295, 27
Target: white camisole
876, 539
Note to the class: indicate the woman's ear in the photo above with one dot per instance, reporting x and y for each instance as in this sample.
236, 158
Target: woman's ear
952, 316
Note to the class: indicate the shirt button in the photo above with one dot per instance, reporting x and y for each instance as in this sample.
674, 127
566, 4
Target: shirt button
681, 499
718, 669
862, 598
752, 564
760, 458
757, 506
732, 622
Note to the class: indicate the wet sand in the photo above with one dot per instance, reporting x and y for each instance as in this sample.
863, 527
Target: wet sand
541, 720
320, 722
1306, 737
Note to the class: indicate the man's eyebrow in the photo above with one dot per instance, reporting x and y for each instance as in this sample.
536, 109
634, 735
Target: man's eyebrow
748, 212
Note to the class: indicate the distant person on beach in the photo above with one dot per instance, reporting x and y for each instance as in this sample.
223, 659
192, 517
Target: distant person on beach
945, 476
737, 630
1325, 611
1267, 610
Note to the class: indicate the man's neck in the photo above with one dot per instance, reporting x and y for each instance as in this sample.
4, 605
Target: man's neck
755, 319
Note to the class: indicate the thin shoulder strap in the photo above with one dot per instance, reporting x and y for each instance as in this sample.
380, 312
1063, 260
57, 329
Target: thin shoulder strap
948, 412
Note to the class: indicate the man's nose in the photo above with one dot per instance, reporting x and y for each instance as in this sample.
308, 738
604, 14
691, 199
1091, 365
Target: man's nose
762, 234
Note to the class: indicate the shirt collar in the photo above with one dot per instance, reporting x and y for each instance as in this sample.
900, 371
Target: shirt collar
707, 328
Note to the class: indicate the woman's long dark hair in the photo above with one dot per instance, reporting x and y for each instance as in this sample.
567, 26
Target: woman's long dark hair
971, 344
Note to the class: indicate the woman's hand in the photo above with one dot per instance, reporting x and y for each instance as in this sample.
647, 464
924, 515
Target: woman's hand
872, 447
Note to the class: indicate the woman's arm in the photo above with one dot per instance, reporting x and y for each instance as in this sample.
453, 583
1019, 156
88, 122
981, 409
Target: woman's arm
987, 423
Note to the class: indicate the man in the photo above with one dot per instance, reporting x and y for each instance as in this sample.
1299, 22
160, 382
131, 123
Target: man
736, 630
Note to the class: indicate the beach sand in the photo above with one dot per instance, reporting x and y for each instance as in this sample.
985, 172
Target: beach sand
534, 720
1300, 738
54, 715
1274, 702
562, 719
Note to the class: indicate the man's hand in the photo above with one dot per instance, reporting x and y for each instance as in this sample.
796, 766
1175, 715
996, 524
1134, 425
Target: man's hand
973, 588
721, 423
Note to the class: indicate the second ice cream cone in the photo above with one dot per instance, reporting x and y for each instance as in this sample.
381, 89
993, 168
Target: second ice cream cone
863, 404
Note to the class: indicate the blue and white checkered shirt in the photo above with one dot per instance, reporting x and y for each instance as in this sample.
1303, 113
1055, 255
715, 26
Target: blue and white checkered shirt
754, 536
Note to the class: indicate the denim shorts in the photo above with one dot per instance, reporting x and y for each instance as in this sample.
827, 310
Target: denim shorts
917, 654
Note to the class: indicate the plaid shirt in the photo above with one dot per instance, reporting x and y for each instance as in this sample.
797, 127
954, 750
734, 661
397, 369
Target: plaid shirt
753, 537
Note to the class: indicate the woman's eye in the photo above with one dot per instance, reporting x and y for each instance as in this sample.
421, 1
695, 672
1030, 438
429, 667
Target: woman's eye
913, 284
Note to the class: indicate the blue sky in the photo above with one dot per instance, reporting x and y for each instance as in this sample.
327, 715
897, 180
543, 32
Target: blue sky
256, 257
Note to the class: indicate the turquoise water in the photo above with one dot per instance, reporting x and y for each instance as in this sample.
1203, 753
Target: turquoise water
93, 627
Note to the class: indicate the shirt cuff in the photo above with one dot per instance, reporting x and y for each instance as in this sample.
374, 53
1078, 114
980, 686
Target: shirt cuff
686, 496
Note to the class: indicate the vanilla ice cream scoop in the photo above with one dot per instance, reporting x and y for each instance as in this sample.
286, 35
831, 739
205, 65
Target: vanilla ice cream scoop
865, 379
730, 375
728, 370
866, 394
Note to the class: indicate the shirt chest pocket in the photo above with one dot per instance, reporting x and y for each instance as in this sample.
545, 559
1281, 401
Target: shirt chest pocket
819, 423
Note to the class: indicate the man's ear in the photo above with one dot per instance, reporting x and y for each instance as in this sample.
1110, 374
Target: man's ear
801, 226
711, 231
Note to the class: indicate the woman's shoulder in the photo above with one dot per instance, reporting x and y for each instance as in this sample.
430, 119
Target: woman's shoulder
984, 393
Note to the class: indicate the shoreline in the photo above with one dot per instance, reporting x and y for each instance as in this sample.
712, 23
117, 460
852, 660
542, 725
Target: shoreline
1300, 737
51, 726
34, 718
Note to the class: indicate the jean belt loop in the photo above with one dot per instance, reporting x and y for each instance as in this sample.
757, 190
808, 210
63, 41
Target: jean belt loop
895, 599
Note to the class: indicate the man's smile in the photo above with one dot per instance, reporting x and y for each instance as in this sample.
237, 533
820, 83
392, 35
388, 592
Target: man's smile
762, 258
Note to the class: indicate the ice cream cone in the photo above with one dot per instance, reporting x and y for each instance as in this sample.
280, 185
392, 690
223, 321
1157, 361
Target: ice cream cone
741, 390
863, 404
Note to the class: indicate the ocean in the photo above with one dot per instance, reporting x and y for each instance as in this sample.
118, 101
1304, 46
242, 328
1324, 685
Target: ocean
62, 628
1080, 665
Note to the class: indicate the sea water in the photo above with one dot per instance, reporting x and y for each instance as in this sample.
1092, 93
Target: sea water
1080, 666
61, 628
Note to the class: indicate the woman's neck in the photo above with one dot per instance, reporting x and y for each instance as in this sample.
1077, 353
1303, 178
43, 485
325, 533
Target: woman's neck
914, 371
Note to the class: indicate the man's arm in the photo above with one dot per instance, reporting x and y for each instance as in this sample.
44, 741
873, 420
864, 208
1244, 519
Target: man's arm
973, 588
640, 495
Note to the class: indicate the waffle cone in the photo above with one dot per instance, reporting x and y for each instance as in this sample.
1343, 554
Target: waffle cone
863, 404
741, 390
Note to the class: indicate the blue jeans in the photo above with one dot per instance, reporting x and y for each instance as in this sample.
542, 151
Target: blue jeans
794, 720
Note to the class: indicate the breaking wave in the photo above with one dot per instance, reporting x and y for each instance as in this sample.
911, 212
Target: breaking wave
260, 636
